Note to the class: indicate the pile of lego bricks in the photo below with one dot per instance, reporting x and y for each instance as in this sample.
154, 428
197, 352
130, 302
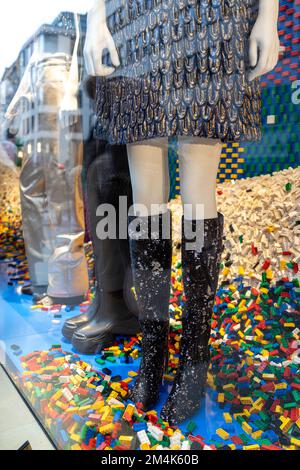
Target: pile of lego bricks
262, 226
255, 345
10, 217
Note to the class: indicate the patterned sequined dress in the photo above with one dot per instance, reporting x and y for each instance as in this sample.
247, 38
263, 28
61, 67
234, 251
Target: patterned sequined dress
184, 71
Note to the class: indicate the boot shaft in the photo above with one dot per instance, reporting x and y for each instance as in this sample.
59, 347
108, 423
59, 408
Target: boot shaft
200, 272
151, 255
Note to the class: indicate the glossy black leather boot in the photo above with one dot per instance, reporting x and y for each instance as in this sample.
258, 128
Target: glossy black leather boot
151, 267
200, 271
110, 313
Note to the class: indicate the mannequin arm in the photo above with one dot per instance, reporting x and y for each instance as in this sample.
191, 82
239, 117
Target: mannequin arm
98, 38
264, 40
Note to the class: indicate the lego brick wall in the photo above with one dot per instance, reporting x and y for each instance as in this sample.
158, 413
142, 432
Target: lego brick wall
280, 147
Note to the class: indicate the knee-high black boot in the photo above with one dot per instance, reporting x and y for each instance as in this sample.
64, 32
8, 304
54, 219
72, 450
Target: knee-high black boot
200, 278
107, 179
151, 265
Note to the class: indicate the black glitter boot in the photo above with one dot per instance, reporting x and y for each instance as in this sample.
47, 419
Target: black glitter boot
200, 270
151, 266
110, 313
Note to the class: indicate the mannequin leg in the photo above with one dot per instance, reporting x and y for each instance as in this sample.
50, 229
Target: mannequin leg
151, 259
148, 164
38, 243
199, 163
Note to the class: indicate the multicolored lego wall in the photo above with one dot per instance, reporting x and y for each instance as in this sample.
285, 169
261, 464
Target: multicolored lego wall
280, 145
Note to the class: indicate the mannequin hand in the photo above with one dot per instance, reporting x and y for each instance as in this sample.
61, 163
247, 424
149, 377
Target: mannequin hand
98, 38
68, 113
264, 40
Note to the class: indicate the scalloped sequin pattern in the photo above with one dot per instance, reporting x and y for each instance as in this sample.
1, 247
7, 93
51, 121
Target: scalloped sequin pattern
184, 71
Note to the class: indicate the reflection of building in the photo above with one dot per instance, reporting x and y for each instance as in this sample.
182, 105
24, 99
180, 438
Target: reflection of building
36, 120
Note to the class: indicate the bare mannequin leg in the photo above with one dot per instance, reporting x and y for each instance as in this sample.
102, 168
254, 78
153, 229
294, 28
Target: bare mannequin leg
199, 162
148, 163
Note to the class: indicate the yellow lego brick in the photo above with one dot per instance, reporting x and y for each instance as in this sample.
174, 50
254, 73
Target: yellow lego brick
76, 438
247, 428
251, 447
145, 447
72, 410
282, 265
258, 332
227, 418
257, 434
76, 447
222, 433
286, 424
84, 408
259, 404
268, 376
57, 396
126, 440
263, 290
249, 353
73, 429
221, 398
279, 410
229, 387
281, 386
73, 380
246, 400
61, 405
175, 447
116, 387
295, 441
106, 413
107, 429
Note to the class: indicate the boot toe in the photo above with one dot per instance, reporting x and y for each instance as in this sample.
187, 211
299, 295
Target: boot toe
90, 341
68, 330
174, 414
143, 395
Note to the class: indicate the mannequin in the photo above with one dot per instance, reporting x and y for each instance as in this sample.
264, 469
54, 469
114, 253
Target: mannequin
189, 69
50, 186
